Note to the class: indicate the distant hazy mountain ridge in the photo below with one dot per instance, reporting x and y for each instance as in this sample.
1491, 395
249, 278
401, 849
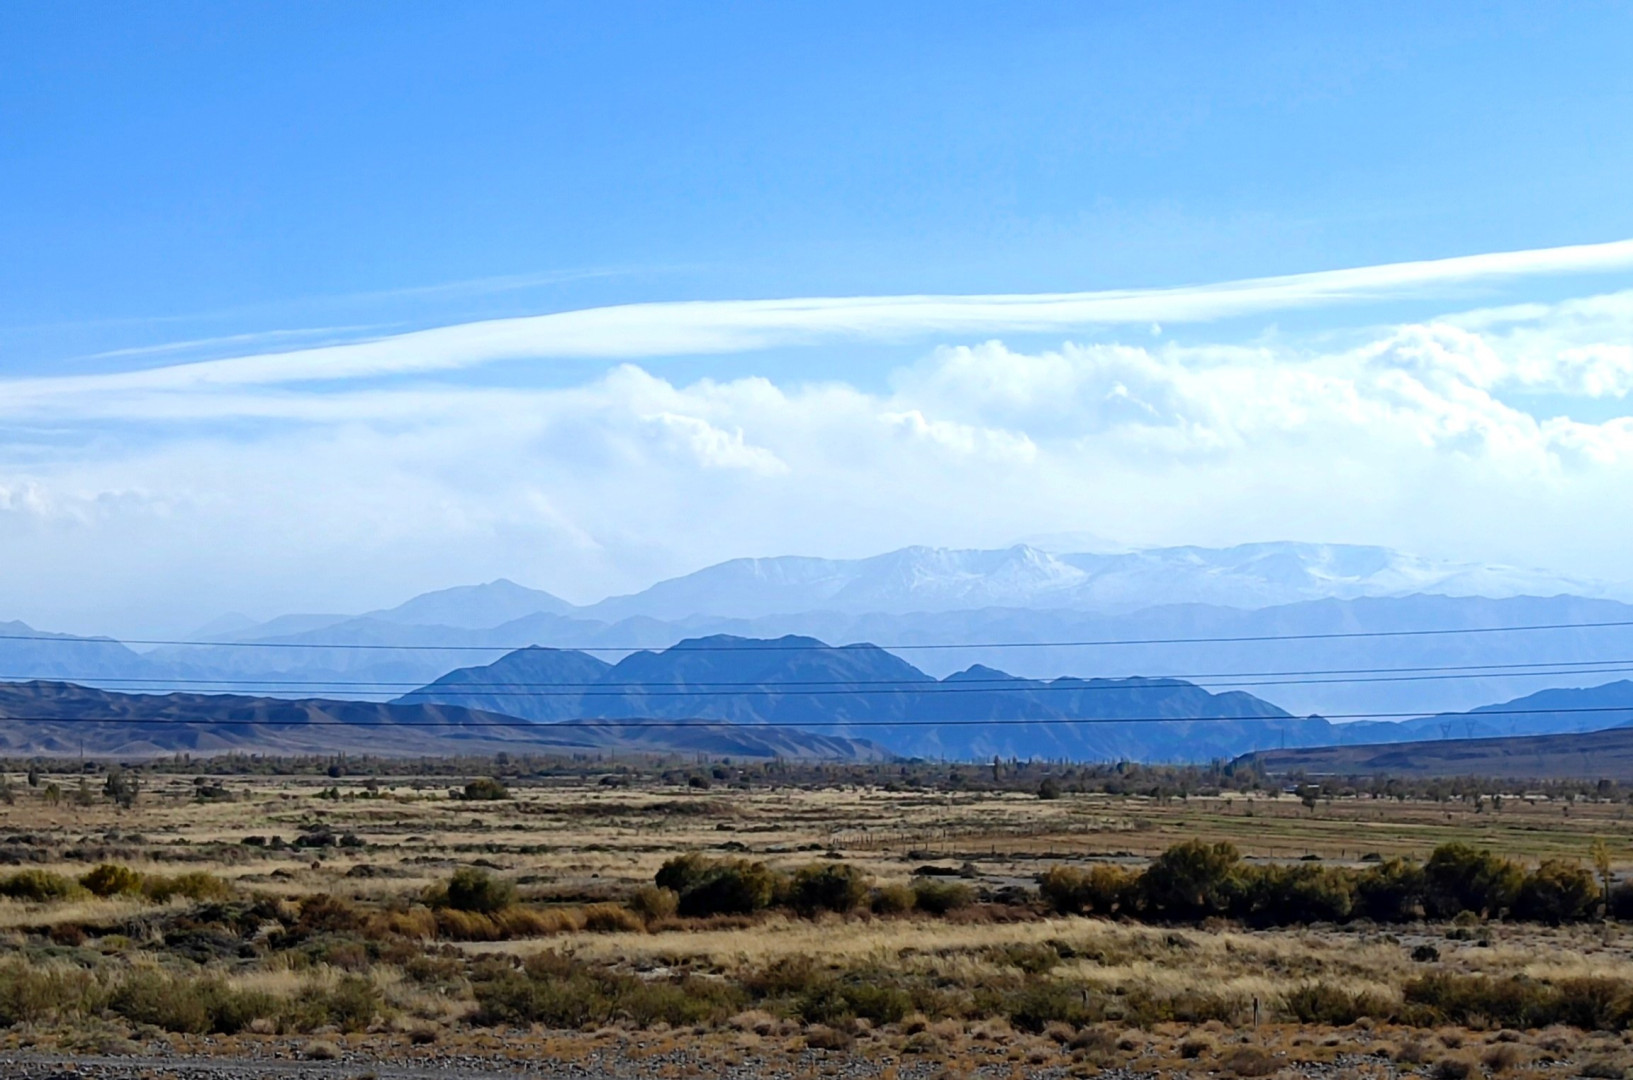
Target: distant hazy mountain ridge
925, 579
864, 691
970, 715
1283, 602
58, 718
940, 579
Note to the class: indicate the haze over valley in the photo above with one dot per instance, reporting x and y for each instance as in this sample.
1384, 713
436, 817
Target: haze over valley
964, 655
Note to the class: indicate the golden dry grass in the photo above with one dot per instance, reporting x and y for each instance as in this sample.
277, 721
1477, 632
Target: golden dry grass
575, 843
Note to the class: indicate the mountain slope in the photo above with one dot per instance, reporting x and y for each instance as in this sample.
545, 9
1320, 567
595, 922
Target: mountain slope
1590, 756
474, 607
55, 718
1554, 711
28, 653
322, 660
862, 690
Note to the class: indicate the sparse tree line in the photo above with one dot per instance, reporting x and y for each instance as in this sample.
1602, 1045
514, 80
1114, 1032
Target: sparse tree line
1189, 883
121, 783
1195, 881
694, 886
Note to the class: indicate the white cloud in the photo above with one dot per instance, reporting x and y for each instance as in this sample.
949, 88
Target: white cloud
176, 494
712, 447
637, 331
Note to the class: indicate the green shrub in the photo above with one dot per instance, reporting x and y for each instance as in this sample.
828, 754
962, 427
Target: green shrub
1391, 891
485, 789
892, 899
1191, 881
1323, 1003
1595, 1004
30, 994
1041, 1002
718, 887
788, 976
194, 1006
1621, 900
858, 994
195, 885
937, 897
827, 887
1459, 877
1101, 889
1279, 895
1557, 892
1517, 1002
682, 872
111, 879
38, 886
475, 890
351, 1004
561, 992
654, 902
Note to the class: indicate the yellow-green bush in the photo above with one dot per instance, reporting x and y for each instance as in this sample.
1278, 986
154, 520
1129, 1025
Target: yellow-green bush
612, 918
937, 897
38, 886
653, 902
194, 885
111, 879
827, 887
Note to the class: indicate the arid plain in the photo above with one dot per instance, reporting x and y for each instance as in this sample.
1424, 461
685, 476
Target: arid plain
886, 920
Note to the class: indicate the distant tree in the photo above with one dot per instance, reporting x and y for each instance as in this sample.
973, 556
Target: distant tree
1049, 788
1601, 863
485, 789
471, 889
34, 775
122, 786
1191, 880
1557, 892
1459, 877
830, 887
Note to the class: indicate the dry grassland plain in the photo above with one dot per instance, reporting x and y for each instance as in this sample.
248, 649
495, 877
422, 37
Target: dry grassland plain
321, 918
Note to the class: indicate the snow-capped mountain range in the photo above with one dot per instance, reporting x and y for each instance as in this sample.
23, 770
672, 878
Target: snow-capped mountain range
926, 579
942, 579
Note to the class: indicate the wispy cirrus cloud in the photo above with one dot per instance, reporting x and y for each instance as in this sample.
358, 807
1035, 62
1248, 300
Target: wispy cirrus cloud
637, 331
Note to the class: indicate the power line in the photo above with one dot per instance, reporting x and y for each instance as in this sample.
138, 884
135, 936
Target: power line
778, 646
1473, 670
927, 685
802, 724
433, 694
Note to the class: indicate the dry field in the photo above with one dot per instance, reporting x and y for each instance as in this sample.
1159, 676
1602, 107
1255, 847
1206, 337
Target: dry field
286, 917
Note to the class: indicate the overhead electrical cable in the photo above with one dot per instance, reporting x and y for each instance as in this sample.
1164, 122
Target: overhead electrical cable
1617, 661
423, 694
806, 724
775, 645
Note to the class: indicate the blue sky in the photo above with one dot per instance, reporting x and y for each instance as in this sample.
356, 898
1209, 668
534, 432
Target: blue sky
186, 183
200, 170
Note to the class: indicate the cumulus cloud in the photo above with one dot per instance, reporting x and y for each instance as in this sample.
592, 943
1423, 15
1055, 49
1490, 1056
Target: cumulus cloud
183, 495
